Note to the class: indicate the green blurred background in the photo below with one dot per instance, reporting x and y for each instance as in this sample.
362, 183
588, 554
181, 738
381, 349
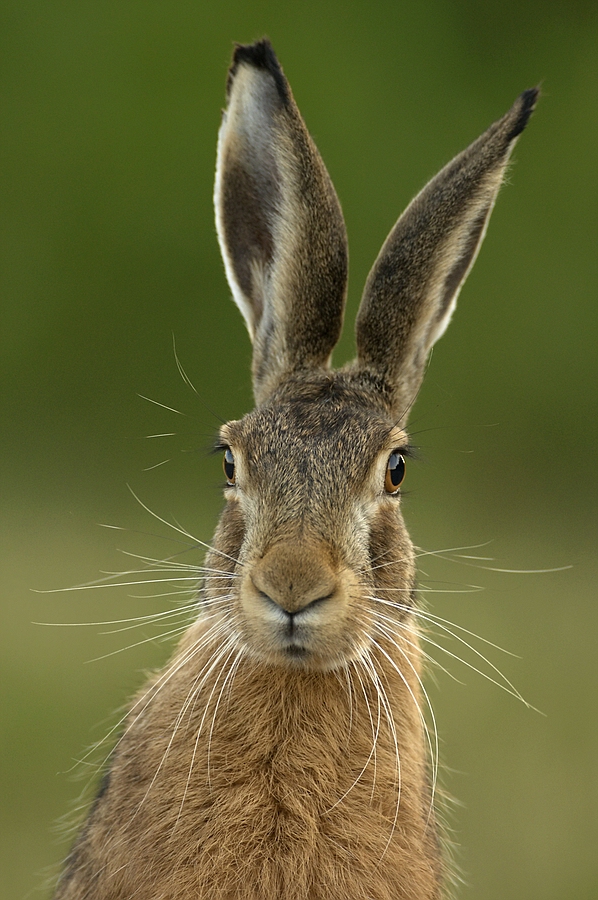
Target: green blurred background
109, 119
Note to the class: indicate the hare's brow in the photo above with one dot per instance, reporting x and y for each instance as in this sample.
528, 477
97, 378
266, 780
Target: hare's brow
405, 446
409, 450
218, 446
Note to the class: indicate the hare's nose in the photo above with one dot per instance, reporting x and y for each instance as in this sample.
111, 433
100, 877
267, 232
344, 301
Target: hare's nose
294, 582
283, 603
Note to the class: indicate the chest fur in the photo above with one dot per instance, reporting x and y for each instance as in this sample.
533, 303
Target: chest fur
311, 796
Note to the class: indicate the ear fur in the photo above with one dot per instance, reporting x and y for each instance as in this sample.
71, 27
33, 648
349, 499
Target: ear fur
279, 223
412, 289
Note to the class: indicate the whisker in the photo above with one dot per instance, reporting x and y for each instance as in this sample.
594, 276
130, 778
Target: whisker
163, 405
347, 683
369, 664
422, 589
230, 644
193, 591
140, 619
415, 645
441, 554
199, 680
148, 640
110, 581
154, 689
230, 675
188, 613
375, 734
437, 620
432, 745
157, 465
189, 383
419, 554
183, 531
172, 563
505, 686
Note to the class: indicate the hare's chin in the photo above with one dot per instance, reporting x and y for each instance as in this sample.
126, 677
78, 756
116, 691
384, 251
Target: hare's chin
307, 655
300, 658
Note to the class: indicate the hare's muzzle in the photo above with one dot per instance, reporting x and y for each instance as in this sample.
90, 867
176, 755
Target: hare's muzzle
295, 606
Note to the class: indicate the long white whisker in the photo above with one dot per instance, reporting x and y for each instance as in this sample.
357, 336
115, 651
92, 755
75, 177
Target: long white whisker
173, 562
375, 735
441, 623
415, 644
506, 686
228, 646
110, 582
182, 531
195, 688
228, 680
432, 745
179, 630
151, 693
179, 366
370, 666
419, 554
139, 619
163, 405
461, 557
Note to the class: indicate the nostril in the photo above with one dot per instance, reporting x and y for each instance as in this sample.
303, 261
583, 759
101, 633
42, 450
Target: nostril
296, 608
318, 601
269, 600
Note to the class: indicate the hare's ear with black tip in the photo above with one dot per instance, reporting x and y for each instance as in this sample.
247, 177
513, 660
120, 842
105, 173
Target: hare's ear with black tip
279, 223
413, 286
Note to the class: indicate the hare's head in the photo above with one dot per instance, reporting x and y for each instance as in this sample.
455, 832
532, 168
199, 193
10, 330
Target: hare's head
312, 537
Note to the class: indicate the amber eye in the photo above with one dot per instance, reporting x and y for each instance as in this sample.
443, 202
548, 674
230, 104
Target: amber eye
395, 472
228, 464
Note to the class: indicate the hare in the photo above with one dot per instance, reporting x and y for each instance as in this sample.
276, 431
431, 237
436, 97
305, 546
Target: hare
282, 753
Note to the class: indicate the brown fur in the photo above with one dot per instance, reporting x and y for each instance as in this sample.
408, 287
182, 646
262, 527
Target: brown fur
283, 752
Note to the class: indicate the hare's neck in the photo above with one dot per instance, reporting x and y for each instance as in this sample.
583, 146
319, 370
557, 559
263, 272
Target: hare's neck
317, 773
249, 780
322, 741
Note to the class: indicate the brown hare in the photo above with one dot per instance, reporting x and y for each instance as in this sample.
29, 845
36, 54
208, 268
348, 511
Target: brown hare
282, 753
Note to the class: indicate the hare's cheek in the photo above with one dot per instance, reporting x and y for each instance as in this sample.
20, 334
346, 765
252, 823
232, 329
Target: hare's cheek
391, 553
231, 530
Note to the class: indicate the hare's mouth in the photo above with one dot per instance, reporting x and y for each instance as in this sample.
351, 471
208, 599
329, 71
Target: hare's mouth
295, 643
310, 647
296, 651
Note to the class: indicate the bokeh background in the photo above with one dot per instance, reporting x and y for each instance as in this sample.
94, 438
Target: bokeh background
109, 119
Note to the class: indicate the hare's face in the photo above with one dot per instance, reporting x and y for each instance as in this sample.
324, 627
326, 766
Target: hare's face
313, 523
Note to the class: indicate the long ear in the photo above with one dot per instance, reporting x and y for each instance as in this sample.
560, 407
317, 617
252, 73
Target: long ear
413, 286
279, 223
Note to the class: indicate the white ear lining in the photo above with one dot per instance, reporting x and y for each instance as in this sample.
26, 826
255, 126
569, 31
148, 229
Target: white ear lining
238, 295
247, 130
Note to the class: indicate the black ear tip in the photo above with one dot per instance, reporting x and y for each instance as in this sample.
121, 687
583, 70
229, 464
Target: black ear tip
526, 103
260, 55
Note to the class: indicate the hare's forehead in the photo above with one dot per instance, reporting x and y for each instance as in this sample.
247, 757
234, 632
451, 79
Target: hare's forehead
314, 430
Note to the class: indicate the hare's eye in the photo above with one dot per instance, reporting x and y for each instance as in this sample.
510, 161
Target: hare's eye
395, 472
228, 464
